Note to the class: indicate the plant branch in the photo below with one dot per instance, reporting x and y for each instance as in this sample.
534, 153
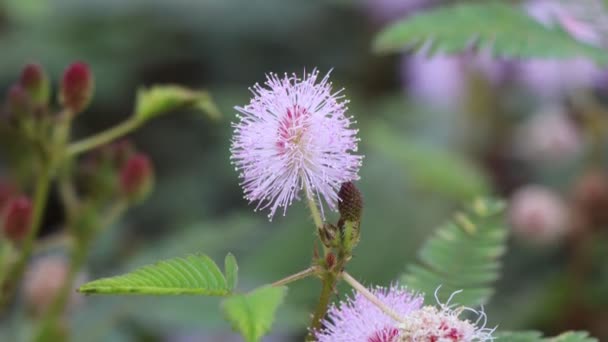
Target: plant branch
370, 296
297, 276
104, 137
40, 201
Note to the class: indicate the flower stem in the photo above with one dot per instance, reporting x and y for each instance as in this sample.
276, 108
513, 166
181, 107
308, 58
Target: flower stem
314, 212
297, 276
104, 137
40, 201
370, 296
329, 283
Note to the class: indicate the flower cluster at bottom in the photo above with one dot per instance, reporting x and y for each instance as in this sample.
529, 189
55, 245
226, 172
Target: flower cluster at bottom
357, 319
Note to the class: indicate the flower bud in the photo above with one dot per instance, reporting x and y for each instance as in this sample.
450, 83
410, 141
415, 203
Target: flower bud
76, 87
538, 214
351, 202
137, 177
17, 218
36, 82
19, 102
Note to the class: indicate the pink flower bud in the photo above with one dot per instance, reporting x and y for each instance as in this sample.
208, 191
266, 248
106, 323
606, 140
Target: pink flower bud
76, 87
538, 214
36, 82
17, 218
19, 102
7, 191
137, 177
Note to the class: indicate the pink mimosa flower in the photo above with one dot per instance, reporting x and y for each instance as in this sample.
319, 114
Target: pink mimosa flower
294, 135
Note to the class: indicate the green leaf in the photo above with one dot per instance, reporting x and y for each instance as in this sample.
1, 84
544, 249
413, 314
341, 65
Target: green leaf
431, 168
533, 336
231, 269
252, 314
504, 29
193, 275
157, 100
462, 255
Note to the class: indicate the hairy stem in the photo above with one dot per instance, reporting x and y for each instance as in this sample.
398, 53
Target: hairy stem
329, 283
314, 212
104, 137
16, 272
370, 296
297, 276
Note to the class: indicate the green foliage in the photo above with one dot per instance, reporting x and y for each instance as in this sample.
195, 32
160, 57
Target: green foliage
463, 254
231, 269
192, 275
252, 314
158, 100
499, 26
431, 168
533, 336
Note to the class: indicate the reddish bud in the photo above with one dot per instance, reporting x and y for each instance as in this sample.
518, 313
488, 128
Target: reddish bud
591, 198
36, 82
17, 218
7, 191
330, 260
19, 102
76, 87
136, 177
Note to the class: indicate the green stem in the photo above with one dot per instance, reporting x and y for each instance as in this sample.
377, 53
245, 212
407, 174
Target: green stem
40, 201
104, 137
297, 276
328, 286
314, 211
370, 296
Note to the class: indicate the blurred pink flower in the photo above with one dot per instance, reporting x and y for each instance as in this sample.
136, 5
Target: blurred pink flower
294, 135
385, 11
551, 79
44, 279
438, 81
538, 214
548, 136
358, 319
585, 20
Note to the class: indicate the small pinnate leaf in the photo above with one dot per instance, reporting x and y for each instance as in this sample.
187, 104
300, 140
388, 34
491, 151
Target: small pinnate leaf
252, 314
503, 28
158, 100
462, 255
231, 269
192, 275
533, 336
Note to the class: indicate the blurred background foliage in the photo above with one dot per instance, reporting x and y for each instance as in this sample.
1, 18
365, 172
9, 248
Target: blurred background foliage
434, 135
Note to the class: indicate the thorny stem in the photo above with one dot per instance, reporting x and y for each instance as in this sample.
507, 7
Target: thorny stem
297, 276
329, 283
104, 137
40, 201
370, 296
77, 260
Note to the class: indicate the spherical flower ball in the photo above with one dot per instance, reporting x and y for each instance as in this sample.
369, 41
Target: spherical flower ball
44, 279
538, 214
549, 136
294, 135
358, 319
